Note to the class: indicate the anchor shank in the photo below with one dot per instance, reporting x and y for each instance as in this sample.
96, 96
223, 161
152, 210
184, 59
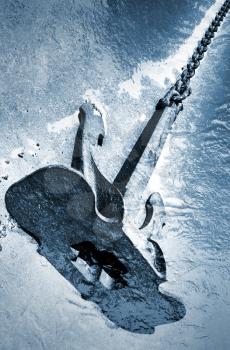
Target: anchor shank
136, 153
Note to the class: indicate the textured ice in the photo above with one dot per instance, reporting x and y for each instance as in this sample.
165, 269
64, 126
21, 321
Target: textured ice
52, 52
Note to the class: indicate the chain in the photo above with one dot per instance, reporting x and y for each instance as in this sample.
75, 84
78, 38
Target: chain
181, 89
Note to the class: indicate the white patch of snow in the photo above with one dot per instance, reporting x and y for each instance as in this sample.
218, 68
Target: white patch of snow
70, 121
142, 117
65, 123
3, 167
94, 96
14, 153
32, 146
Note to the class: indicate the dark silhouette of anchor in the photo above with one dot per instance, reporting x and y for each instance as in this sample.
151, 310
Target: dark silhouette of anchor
75, 215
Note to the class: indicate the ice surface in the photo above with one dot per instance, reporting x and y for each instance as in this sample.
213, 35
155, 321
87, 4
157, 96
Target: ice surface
52, 53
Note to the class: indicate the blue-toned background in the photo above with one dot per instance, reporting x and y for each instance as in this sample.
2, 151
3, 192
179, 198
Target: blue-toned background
122, 56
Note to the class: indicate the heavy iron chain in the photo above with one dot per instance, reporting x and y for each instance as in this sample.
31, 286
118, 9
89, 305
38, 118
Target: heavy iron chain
181, 89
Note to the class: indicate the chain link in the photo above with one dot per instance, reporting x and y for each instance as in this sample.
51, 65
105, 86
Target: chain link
181, 89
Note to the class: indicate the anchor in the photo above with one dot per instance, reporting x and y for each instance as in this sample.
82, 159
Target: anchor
75, 214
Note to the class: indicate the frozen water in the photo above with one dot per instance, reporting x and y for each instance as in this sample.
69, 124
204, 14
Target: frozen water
52, 54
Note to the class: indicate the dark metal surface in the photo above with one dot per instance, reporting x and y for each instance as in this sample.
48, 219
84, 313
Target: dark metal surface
56, 206
109, 201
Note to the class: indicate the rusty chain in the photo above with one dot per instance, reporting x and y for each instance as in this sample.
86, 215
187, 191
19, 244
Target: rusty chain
181, 89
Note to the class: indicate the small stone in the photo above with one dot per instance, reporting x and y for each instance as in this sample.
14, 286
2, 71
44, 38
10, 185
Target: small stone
37, 144
5, 177
7, 161
20, 155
